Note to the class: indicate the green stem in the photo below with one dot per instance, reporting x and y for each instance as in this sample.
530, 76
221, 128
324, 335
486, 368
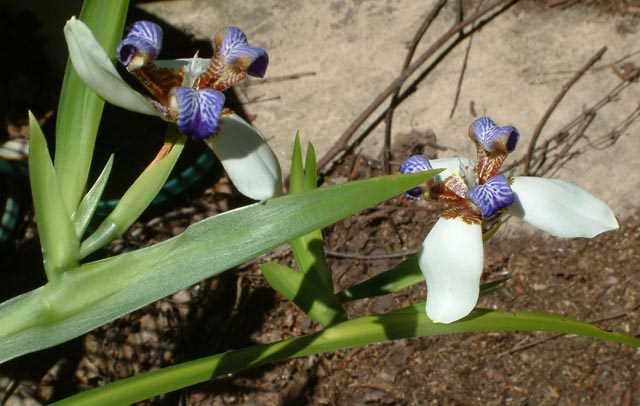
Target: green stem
80, 109
138, 197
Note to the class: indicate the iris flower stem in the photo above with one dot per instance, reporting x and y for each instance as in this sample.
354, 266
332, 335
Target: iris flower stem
139, 196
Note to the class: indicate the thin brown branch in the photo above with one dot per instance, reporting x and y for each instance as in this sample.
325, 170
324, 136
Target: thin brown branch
555, 103
463, 70
560, 136
386, 153
282, 78
370, 257
566, 151
465, 62
342, 143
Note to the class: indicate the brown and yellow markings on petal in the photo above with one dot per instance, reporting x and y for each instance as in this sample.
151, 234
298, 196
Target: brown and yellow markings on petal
443, 193
212, 74
159, 81
488, 164
231, 76
465, 212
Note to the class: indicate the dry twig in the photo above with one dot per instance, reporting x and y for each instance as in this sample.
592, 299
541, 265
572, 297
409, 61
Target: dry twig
341, 144
386, 153
573, 131
371, 257
465, 61
282, 78
554, 104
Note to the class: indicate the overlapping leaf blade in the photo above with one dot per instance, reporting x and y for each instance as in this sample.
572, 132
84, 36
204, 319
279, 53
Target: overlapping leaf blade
57, 235
107, 289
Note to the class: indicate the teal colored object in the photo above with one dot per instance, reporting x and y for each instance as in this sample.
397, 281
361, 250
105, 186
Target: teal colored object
12, 177
14, 183
184, 182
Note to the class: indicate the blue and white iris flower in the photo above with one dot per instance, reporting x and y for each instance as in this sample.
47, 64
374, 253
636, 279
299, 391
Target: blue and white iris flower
188, 92
452, 255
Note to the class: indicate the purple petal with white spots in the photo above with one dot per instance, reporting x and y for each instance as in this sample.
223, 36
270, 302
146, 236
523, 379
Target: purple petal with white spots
492, 196
413, 164
491, 136
199, 111
235, 49
144, 39
482, 126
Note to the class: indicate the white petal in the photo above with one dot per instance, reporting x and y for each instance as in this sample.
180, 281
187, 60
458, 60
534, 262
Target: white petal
453, 166
95, 68
194, 67
560, 208
249, 161
451, 261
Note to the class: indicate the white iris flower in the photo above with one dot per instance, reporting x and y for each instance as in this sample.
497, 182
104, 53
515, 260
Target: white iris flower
185, 91
452, 255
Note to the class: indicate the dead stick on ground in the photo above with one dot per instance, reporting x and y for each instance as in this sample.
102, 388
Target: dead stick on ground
342, 142
554, 104
386, 154
370, 257
283, 78
463, 70
580, 118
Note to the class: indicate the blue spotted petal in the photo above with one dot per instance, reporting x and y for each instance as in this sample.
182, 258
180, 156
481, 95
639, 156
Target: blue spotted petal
141, 45
234, 48
493, 137
198, 111
492, 196
413, 164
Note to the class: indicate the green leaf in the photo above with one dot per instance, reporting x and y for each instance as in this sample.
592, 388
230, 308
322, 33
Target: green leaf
90, 201
137, 198
101, 291
310, 169
308, 250
296, 175
80, 109
410, 322
303, 290
57, 235
405, 274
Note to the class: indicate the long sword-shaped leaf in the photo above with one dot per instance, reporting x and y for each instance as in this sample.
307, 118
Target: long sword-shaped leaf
99, 292
90, 201
410, 322
310, 168
312, 292
80, 109
305, 291
57, 236
296, 174
405, 274
308, 249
